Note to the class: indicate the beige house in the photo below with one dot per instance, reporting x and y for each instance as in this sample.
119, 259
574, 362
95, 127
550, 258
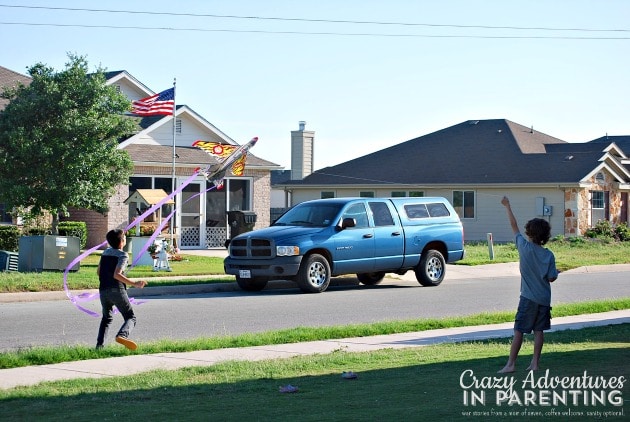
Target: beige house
160, 149
475, 163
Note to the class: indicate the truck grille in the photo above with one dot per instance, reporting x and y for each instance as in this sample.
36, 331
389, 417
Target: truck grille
251, 248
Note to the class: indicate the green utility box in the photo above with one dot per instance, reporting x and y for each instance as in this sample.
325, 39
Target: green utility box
39, 253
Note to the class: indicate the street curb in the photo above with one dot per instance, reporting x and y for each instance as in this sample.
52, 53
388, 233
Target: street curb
191, 289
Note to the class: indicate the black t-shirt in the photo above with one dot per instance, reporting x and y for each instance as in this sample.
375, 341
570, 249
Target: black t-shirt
110, 260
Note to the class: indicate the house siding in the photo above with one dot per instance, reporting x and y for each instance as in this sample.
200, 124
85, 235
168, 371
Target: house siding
490, 216
191, 130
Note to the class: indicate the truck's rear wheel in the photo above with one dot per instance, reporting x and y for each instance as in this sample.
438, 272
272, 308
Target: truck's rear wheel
314, 274
255, 284
430, 271
370, 279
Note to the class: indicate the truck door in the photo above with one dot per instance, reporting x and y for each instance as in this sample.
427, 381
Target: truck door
354, 246
388, 236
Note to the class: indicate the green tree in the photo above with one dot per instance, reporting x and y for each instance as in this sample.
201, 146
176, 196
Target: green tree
59, 138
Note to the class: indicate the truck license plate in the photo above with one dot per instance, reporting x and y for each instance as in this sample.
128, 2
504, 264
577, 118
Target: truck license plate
244, 273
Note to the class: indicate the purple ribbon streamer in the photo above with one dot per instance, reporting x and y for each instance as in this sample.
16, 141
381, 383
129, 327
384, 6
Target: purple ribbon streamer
86, 297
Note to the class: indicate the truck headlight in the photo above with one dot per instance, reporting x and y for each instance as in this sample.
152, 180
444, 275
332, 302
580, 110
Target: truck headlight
287, 250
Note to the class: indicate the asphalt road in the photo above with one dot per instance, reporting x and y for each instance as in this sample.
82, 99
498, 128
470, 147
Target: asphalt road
58, 322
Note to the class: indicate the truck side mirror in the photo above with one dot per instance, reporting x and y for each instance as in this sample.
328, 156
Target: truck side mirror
348, 222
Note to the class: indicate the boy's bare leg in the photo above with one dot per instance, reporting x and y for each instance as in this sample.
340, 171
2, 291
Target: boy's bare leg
517, 341
539, 339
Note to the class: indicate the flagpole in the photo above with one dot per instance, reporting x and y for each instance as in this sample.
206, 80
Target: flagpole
173, 169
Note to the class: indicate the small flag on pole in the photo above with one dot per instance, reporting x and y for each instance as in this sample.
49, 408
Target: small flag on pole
155, 105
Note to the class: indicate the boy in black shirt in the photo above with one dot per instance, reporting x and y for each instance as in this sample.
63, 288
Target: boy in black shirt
113, 289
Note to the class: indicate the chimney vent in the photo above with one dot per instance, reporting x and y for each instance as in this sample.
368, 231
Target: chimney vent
302, 125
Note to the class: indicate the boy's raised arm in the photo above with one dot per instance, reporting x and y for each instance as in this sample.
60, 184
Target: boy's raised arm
506, 203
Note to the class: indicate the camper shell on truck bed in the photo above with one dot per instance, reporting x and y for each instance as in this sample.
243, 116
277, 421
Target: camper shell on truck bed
369, 237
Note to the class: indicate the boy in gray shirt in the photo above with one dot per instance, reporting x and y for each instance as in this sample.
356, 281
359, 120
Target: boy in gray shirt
538, 270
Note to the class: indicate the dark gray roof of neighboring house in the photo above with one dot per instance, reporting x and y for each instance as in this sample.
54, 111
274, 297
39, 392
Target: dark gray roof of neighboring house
473, 152
280, 176
622, 142
9, 78
162, 154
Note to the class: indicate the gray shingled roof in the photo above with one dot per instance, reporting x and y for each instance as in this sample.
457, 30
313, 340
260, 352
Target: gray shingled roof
161, 154
280, 176
622, 142
472, 152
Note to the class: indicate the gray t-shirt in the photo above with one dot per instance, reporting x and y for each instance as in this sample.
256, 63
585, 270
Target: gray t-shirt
111, 259
537, 265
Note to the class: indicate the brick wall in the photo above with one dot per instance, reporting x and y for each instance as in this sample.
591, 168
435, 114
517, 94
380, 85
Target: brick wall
99, 224
262, 196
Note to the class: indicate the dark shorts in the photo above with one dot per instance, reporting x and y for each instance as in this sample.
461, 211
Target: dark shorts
532, 316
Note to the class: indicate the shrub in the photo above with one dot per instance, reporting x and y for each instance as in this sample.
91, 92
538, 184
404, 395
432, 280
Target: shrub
74, 228
622, 232
603, 230
9, 238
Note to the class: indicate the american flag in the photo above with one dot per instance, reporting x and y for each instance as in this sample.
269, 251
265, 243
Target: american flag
155, 105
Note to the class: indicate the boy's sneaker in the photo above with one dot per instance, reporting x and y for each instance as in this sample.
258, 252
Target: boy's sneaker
129, 344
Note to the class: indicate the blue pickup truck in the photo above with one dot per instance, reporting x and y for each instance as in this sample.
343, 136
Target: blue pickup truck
368, 237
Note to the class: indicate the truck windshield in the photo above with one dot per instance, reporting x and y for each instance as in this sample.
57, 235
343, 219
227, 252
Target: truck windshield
310, 215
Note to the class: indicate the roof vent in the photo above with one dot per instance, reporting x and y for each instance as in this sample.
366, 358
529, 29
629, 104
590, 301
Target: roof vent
600, 178
302, 125
473, 122
568, 158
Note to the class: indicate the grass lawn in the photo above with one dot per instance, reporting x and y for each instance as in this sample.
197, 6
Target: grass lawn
210, 269
415, 384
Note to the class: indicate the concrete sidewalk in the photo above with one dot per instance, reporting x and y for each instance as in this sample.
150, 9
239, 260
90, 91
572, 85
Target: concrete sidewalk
134, 364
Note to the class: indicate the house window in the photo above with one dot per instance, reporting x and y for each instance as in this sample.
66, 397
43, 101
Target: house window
5, 217
599, 206
410, 194
165, 183
138, 182
325, 195
464, 203
366, 194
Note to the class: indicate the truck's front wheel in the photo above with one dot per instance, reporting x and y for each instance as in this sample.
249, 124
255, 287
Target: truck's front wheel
314, 274
430, 271
255, 284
